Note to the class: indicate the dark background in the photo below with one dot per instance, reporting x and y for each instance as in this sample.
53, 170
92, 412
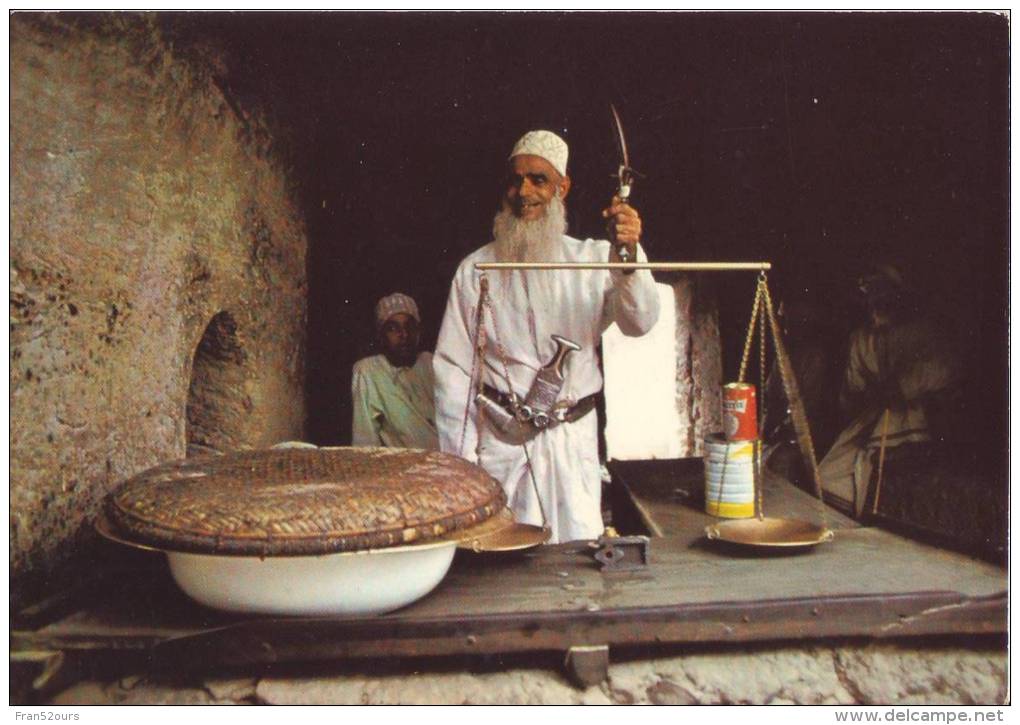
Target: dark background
820, 142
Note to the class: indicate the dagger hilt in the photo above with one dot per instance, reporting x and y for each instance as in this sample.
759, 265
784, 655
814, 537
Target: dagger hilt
563, 348
626, 177
545, 388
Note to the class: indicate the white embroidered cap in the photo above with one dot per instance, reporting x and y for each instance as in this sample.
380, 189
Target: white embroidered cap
545, 144
394, 304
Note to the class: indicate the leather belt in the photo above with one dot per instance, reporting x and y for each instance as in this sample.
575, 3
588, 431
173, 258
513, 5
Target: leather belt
566, 415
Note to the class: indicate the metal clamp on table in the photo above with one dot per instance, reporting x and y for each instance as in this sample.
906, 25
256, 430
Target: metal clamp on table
621, 553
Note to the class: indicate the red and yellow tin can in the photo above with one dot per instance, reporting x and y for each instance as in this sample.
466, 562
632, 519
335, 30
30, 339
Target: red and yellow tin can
740, 412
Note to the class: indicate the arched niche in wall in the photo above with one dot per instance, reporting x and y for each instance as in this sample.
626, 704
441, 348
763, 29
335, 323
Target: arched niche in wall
217, 404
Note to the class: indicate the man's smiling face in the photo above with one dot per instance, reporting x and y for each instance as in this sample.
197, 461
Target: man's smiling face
531, 184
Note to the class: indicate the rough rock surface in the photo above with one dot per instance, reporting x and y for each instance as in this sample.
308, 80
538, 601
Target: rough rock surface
145, 203
699, 363
822, 674
933, 677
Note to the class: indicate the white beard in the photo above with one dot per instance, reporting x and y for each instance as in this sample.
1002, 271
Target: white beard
539, 240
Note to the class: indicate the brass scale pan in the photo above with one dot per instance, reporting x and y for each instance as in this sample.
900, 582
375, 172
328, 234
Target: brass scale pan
769, 532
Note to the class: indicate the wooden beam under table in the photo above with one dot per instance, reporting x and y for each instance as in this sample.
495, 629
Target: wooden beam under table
291, 640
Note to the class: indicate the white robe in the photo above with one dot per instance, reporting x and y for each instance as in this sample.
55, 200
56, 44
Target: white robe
393, 406
564, 459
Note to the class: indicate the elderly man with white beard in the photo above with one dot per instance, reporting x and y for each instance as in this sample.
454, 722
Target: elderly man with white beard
526, 308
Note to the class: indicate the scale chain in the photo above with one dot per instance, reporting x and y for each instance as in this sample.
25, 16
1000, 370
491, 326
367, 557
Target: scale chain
797, 412
750, 332
477, 352
485, 303
756, 456
759, 444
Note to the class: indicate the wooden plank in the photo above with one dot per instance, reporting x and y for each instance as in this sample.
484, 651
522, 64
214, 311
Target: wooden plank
587, 665
280, 640
33, 673
269, 641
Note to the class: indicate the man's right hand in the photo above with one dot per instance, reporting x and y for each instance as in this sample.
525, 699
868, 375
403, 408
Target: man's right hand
623, 227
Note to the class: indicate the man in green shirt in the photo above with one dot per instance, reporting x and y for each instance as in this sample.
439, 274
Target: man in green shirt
393, 391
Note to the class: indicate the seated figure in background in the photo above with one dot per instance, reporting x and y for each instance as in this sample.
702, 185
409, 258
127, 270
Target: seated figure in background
898, 363
393, 392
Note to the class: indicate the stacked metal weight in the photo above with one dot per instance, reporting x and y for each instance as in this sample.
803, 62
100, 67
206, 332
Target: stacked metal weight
266, 517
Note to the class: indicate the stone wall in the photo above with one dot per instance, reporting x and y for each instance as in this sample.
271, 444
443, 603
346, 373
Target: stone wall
699, 371
822, 673
145, 205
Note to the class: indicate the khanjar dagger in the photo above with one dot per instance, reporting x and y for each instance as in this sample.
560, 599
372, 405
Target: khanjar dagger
624, 175
522, 422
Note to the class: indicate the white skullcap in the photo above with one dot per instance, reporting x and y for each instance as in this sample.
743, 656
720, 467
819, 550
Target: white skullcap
545, 144
394, 304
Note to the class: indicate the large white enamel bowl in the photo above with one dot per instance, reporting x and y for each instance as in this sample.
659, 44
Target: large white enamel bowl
343, 584
256, 531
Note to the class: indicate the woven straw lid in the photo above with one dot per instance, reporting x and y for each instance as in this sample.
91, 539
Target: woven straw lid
303, 501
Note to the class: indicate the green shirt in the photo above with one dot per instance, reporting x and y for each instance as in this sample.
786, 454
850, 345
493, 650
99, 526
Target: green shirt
394, 406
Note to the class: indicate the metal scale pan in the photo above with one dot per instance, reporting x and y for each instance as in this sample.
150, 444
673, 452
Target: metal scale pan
769, 533
502, 533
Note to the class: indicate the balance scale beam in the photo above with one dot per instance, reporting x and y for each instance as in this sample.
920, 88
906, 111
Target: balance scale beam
653, 266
